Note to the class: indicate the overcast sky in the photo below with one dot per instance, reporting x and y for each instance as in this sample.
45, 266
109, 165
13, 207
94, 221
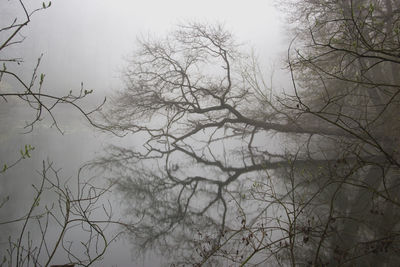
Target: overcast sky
87, 41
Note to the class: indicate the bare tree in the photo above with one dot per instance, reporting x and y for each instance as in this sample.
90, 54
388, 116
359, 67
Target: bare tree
31, 92
229, 173
342, 69
74, 226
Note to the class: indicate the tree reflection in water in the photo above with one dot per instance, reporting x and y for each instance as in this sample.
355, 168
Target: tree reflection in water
231, 172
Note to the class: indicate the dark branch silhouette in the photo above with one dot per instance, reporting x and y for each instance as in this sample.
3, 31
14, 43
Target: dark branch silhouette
230, 171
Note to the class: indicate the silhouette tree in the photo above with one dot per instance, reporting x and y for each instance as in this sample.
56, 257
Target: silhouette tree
229, 171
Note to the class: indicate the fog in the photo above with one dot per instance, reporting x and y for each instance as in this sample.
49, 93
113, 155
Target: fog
88, 42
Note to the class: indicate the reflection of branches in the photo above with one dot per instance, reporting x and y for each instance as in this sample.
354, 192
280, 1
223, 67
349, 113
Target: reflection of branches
209, 165
198, 112
72, 212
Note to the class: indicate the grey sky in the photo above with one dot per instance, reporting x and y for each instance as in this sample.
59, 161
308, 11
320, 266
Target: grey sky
87, 40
